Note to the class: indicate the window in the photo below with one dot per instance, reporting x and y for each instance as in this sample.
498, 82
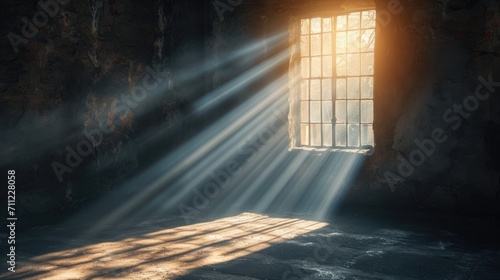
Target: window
335, 94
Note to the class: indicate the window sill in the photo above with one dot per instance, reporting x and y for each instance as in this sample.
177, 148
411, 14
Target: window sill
367, 151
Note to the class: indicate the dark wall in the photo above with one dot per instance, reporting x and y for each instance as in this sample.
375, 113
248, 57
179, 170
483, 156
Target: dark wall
71, 126
435, 118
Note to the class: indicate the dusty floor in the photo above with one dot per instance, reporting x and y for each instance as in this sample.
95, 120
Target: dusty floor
361, 245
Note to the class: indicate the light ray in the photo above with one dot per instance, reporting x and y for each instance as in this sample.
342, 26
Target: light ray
196, 155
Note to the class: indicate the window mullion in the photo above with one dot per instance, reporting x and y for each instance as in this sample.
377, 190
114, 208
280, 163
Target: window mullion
359, 81
322, 53
334, 79
309, 124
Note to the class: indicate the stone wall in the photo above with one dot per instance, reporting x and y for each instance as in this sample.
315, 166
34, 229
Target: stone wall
71, 103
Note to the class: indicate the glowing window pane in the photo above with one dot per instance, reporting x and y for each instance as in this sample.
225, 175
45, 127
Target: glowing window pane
316, 44
327, 43
340, 111
315, 111
327, 24
304, 67
353, 64
367, 135
304, 134
341, 89
316, 67
353, 42
353, 88
304, 45
327, 114
315, 134
327, 66
353, 21
341, 22
326, 89
367, 111
316, 25
304, 111
353, 135
368, 40
341, 42
304, 26
352, 111
327, 135
304, 89
340, 135
341, 65
315, 89
367, 63
368, 19
367, 87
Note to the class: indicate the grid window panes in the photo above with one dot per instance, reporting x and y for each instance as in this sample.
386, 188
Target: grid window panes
336, 86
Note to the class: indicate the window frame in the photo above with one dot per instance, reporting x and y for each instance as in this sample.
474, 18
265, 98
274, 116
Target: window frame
295, 39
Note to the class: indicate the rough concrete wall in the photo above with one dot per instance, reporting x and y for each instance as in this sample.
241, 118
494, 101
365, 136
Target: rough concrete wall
69, 76
429, 62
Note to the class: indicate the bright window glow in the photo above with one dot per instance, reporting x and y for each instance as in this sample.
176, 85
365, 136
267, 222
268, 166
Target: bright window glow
337, 58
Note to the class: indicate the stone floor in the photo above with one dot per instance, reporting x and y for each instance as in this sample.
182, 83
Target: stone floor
353, 245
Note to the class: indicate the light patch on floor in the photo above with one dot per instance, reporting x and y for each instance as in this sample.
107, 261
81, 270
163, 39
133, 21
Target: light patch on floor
170, 252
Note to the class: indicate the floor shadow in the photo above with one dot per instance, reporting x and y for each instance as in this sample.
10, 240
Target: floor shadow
375, 245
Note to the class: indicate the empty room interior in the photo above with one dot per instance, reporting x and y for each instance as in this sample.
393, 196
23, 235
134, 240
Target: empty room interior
250, 139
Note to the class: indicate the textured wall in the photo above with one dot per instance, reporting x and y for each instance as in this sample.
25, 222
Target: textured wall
429, 60
68, 109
